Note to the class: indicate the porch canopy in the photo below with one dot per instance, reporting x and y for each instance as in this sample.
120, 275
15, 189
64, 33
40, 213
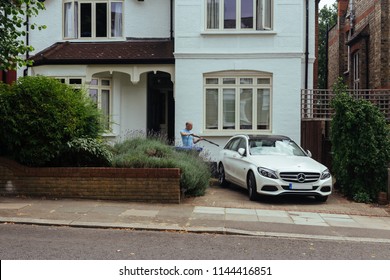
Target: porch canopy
133, 57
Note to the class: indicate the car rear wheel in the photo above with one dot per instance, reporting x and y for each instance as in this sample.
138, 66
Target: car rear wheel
251, 184
221, 176
321, 198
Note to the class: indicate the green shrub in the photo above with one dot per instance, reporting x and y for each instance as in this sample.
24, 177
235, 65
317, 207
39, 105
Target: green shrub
39, 115
81, 152
142, 152
361, 147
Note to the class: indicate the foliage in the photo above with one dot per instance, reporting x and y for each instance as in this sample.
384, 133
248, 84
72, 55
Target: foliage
153, 152
39, 115
327, 18
84, 152
14, 25
361, 146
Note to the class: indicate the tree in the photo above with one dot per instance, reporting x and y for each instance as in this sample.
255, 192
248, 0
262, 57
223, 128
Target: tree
326, 19
14, 26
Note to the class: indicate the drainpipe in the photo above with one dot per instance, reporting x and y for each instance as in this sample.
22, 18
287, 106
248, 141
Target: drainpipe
25, 71
307, 46
326, 55
171, 28
367, 62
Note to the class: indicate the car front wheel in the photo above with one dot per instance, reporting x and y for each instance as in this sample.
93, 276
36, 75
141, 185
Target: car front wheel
251, 184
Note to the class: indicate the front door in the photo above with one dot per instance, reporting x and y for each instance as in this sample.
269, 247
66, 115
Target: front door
160, 106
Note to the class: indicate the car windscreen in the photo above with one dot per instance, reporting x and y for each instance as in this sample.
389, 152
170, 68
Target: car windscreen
274, 147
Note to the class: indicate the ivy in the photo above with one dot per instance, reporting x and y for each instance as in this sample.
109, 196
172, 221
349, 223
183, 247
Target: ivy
361, 146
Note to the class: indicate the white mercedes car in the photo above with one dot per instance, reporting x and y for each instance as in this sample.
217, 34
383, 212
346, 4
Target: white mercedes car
272, 165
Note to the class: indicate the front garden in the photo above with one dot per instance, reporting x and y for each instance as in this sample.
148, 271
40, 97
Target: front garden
45, 123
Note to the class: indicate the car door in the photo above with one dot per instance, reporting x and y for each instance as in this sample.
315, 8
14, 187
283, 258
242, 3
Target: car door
239, 164
228, 156
236, 162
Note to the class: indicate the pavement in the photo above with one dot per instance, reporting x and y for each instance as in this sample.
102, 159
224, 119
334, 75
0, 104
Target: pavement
220, 211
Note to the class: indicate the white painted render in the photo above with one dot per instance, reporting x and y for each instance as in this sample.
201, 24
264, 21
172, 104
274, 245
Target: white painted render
280, 52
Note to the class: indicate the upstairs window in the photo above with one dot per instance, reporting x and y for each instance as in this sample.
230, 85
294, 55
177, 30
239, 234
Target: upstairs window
239, 14
93, 19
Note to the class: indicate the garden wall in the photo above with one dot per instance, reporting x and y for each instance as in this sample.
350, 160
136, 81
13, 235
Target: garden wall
132, 184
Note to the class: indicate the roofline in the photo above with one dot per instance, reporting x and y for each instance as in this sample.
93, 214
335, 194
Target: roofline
102, 61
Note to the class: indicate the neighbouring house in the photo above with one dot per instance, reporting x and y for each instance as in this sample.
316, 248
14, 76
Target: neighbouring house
359, 44
229, 66
359, 52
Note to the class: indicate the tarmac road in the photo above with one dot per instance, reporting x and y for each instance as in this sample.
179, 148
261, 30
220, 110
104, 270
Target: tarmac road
26, 242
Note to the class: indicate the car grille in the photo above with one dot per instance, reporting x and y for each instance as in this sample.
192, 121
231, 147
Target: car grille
299, 177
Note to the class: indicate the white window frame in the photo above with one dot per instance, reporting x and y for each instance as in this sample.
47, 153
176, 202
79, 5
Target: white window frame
264, 125
72, 21
262, 23
76, 82
356, 70
100, 87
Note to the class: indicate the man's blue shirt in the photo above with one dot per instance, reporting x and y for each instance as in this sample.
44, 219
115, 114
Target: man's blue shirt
187, 139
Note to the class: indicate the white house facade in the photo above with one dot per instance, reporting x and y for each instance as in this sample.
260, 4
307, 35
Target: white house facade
229, 66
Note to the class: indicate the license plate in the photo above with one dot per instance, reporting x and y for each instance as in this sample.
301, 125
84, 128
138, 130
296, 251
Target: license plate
300, 186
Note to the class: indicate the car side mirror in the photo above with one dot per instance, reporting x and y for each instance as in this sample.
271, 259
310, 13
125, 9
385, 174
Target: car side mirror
241, 151
309, 153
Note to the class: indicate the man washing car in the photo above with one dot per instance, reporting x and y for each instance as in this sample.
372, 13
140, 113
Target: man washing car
187, 137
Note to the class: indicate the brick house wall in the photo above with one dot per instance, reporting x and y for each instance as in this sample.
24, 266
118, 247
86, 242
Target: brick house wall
364, 33
7, 76
131, 184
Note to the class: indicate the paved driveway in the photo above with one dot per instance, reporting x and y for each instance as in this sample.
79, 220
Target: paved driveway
236, 197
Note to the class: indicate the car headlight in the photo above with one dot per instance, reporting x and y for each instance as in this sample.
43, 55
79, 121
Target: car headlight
267, 173
325, 174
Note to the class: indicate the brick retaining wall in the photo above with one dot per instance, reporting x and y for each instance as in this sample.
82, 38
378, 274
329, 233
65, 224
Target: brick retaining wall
132, 184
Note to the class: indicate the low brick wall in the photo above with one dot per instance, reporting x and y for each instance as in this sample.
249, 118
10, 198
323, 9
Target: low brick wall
132, 184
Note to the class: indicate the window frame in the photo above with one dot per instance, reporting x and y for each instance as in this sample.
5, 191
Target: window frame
216, 92
257, 4
73, 31
100, 87
356, 70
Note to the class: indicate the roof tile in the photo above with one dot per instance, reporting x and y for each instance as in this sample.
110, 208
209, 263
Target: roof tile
124, 52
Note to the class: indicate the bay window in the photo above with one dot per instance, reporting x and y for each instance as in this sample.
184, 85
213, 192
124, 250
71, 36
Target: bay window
239, 14
93, 19
99, 90
238, 102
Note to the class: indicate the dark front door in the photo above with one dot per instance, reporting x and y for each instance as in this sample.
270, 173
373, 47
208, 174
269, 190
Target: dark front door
161, 106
